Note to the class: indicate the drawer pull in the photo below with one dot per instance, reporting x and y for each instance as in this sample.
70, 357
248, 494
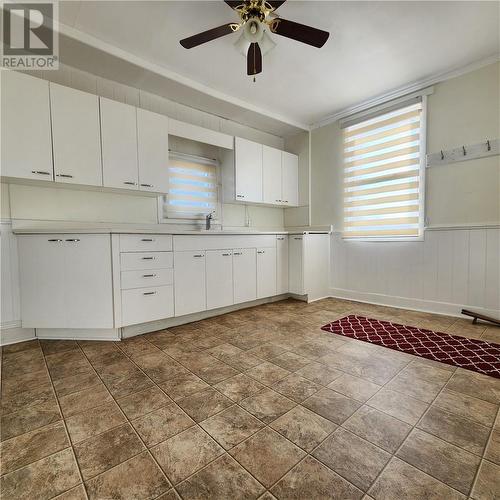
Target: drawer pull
149, 293
55, 240
74, 240
148, 258
298, 239
129, 183
240, 196
237, 253
149, 275
226, 255
65, 175
40, 172
280, 239
261, 251
147, 239
147, 185
198, 255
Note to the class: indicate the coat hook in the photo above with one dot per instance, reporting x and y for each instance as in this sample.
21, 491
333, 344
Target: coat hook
488, 145
463, 149
442, 155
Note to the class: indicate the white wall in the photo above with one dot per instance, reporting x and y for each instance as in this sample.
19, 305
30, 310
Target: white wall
455, 265
57, 203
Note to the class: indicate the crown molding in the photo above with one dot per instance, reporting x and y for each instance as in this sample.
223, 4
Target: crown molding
402, 91
171, 75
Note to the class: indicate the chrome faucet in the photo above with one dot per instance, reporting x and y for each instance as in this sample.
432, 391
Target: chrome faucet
208, 221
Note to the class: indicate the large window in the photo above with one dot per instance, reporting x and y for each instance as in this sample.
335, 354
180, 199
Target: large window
383, 181
193, 188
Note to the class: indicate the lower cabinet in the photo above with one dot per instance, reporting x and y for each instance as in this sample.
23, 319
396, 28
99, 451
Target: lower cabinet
189, 282
140, 305
266, 272
281, 264
66, 281
244, 275
219, 271
295, 264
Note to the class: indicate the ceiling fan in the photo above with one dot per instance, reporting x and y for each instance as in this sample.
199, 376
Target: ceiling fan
255, 17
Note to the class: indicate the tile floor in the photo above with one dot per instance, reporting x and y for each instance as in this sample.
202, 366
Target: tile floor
259, 403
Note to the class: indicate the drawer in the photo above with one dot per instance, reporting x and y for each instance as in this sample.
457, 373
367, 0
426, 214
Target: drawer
145, 242
146, 260
140, 279
141, 305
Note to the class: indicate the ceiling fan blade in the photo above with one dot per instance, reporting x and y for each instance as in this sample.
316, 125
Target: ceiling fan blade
209, 35
254, 59
234, 3
275, 3
300, 32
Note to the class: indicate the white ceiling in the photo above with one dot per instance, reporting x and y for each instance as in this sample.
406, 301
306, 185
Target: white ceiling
374, 47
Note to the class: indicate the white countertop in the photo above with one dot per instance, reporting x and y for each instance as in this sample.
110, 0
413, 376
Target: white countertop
44, 227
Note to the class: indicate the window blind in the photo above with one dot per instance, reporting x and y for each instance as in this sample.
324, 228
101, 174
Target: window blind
382, 172
192, 187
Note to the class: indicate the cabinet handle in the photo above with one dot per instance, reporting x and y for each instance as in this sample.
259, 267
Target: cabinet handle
280, 239
149, 293
149, 275
41, 172
148, 258
55, 240
226, 255
129, 183
278, 201
198, 255
240, 196
147, 239
285, 201
74, 240
300, 239
147, 185
237, 253
261, 251
65, 175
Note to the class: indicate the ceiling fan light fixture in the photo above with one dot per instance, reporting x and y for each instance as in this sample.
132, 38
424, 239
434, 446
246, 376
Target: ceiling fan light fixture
266, 44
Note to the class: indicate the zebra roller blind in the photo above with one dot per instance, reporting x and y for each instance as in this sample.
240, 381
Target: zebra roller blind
192, 191
382, 181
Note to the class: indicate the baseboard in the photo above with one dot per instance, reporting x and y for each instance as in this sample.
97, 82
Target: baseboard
153, 326
14, 334
429, 306
109, 334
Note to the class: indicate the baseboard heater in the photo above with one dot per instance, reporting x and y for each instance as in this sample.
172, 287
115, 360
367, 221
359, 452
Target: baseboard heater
477, 316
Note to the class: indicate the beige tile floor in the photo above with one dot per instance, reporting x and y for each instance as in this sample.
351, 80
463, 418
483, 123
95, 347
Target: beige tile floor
259, 403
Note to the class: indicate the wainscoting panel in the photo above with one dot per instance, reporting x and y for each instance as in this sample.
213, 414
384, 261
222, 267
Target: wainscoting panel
449, 269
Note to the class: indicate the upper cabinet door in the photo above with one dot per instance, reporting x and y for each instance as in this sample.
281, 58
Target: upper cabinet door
271, 173
26, 137
152, 136
119, 144
290, 179
248, 166
76, 136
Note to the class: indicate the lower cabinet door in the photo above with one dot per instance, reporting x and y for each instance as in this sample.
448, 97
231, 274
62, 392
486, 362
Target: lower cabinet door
266, 272
295, 265
190, 282
281, 264
219, 265
141, 305
244, 275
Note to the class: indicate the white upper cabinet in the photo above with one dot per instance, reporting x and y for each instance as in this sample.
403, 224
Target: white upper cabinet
152, 136
26, 139
248, 170
290, 179
76, 136
271, 174
119, 144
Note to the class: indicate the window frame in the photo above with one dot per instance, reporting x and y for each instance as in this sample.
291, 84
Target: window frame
422, 181
183, 219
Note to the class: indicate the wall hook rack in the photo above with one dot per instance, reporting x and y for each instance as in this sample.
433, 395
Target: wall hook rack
464, 153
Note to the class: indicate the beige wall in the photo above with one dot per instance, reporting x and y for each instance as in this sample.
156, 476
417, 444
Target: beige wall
462, 110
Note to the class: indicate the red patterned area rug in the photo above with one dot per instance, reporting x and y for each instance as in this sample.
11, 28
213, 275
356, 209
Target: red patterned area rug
471, 354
